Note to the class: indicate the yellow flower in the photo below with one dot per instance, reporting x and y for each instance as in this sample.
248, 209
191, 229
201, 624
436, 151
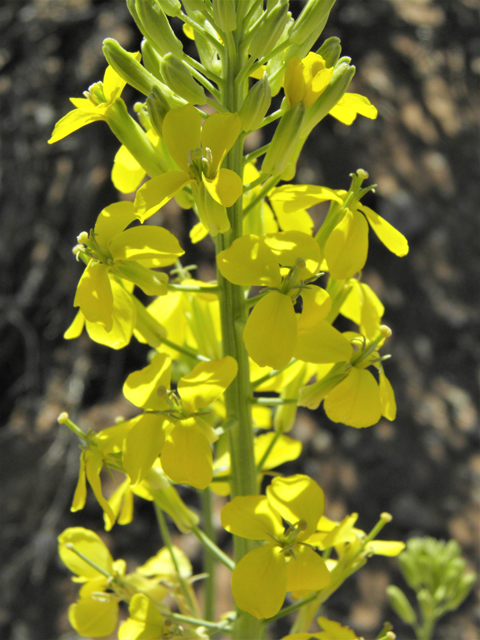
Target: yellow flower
363, 307
305, 80
286, 562
199, 152
95, 106
129, 254
284, 262
174, 427
351, 394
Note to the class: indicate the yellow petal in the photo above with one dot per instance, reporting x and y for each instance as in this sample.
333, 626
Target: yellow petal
219, 132
297, 498
186, 455
285, 449
248, 261
355, 401
206, 382
127, 174
334, 631
390, 548
363, 307
298, 221
123, 321
92, 547
75, 120
316, 306
95, 617
145, 620
287, 246
259, 582
213, 215
198, 233
80, 494
387, 397
142, 243
158, 191
270, 334
93, 467
322, 344
141, 386
251, 517
112, 221
143, 445
225, 188
347, 246
181, 133
350, 105
391, 237
76, 328
306, 570
94, 295
291, 198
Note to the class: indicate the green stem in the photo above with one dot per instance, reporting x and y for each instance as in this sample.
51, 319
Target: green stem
273, 402
256, 154
216, 551
267, 187
192, 288
168, 543
243, 475
208, 556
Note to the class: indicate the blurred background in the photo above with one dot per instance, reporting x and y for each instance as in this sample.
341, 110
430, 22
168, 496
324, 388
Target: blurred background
419, 63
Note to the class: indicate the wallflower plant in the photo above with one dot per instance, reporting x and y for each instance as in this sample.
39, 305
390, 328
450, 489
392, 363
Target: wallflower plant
231, 359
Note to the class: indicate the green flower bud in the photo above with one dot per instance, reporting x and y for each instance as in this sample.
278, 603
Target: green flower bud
465, 585
128, 67
156, 28
269, 31
194, 5
166, 497
157, 108
225, 14
339, 83
311, 20
284, 140
256, 105
151, 59
400, 604
331, 50
177, 76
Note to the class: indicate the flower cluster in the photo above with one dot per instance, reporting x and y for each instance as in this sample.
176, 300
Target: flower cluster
231, 360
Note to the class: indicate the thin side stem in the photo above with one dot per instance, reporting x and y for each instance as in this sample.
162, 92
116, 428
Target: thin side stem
208, 556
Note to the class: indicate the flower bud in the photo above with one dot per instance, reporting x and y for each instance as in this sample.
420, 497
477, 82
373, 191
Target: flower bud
256, 105
151, 59
426, 603
331, 50
339, 83
194, 5
171, 7
225, 14
284, 140
156, 28
269, 31
311, 20
400, 604
464, 586
157, 108
128, 67
178, 78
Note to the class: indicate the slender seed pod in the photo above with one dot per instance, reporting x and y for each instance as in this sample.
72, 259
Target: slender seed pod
178, 78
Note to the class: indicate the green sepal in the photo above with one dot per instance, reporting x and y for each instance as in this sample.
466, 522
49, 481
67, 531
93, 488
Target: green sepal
331, 50
156, 28
269, 31
153, 283
151, 60
157, 108
178, 78
256, 105
284, 140
172, 8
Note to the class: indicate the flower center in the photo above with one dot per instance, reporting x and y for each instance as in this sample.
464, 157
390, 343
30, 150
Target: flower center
200, 162
95, 93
